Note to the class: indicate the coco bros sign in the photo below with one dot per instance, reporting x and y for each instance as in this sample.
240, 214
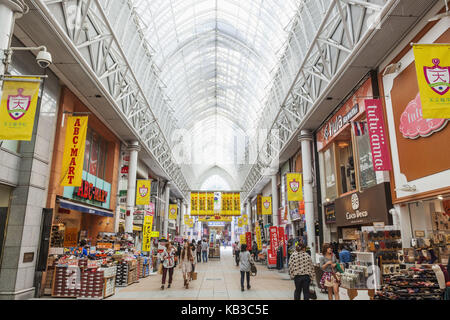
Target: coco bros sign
366, 207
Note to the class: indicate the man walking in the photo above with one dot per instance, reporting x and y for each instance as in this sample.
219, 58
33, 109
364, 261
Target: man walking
205, 250
302, 270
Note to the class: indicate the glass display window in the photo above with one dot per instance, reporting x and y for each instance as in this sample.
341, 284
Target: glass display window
345, 162
330, 173
95, 154
367, 176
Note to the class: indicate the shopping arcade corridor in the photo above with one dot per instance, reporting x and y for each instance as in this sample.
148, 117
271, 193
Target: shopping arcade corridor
217, 280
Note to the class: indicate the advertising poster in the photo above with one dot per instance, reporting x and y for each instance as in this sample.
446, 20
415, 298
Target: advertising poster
243, 239
194, 203
258, 237
217, 202
266, 205
173, 208
282, 240
210, 204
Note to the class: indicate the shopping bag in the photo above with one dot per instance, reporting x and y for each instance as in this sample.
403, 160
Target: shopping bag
312, 292
194, 275
253, 270
160, 268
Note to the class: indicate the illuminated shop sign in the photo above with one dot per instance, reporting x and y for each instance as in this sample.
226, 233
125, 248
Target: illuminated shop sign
89, 192
335, 125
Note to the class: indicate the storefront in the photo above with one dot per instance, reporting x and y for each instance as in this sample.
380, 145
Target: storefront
346, 168
420, 153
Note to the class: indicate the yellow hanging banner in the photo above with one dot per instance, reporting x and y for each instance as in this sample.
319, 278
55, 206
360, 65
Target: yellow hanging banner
433, 76
210, 201
143, 189
147, 230
173, 208
258, 237
73, 158
266, 205
240, 222
18, 108
202, 204
243, 239
237, 204
194, 203
294, 186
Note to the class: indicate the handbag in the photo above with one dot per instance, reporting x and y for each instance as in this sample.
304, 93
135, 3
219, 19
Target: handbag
194, 275
160, 268
253, 270
312, 292
336, 277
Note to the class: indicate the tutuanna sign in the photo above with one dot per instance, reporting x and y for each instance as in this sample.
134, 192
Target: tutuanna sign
89, 192
360, 208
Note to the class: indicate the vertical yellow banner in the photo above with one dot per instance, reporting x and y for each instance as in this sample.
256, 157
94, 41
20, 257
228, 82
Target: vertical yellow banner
258, 237
224, 205
230, 204
143, 189
18, 108
173, 208
266, 205
237, 204
73, 158
243, 239
294, 186
210, 200
202, 204
147, 230
433, 76
240, 222
194, 203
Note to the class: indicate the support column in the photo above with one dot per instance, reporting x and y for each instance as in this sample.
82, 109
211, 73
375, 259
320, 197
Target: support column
274, 201
305, 138
166, 211
182, 213
9, 11
249, 215
133, 148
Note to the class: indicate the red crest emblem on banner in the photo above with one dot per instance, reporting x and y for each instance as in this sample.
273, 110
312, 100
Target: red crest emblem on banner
266, 204
294, 185
18, 105
438, 78
143, 191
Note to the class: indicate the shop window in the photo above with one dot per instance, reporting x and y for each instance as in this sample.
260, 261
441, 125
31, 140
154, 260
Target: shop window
93, 161
346, 162
330, 174
87, 150
102, 160
367, 176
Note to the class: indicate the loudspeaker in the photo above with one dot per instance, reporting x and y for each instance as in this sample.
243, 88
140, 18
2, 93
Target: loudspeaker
47, 218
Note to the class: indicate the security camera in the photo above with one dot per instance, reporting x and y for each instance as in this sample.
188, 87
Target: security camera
44, 59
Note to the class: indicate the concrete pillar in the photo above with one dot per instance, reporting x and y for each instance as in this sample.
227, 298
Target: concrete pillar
249, 215
305, 138
182, 214
9, 11
166, 211
274, 200
133, 148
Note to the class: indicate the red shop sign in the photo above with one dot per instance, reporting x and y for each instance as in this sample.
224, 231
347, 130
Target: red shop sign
89, 192
273, 240
281, 240
248, 239
378, 143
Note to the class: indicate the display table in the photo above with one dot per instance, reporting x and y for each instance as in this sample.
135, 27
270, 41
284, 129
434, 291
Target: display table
356, 294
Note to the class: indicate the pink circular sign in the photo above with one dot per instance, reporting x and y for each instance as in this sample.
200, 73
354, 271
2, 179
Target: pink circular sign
413, 125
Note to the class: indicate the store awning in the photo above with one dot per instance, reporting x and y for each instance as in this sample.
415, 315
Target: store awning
137, 228
84, 208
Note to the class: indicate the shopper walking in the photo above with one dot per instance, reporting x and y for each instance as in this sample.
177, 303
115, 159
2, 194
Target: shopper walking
168, 261
199, 251
245, 260
301, 270
330, 278
205, 248
236, 253
255, 250
193, 247
186, 263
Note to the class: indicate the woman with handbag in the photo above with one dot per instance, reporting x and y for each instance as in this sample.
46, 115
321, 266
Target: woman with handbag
168, 263
186, 263
245, 261
301, 270
330, 278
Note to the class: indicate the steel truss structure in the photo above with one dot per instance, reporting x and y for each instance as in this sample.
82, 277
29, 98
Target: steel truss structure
105, 34
325, 35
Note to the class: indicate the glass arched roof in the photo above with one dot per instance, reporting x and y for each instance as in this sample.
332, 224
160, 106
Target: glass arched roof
217, 59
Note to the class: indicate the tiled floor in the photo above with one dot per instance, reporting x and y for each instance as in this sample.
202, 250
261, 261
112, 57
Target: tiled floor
217, 280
